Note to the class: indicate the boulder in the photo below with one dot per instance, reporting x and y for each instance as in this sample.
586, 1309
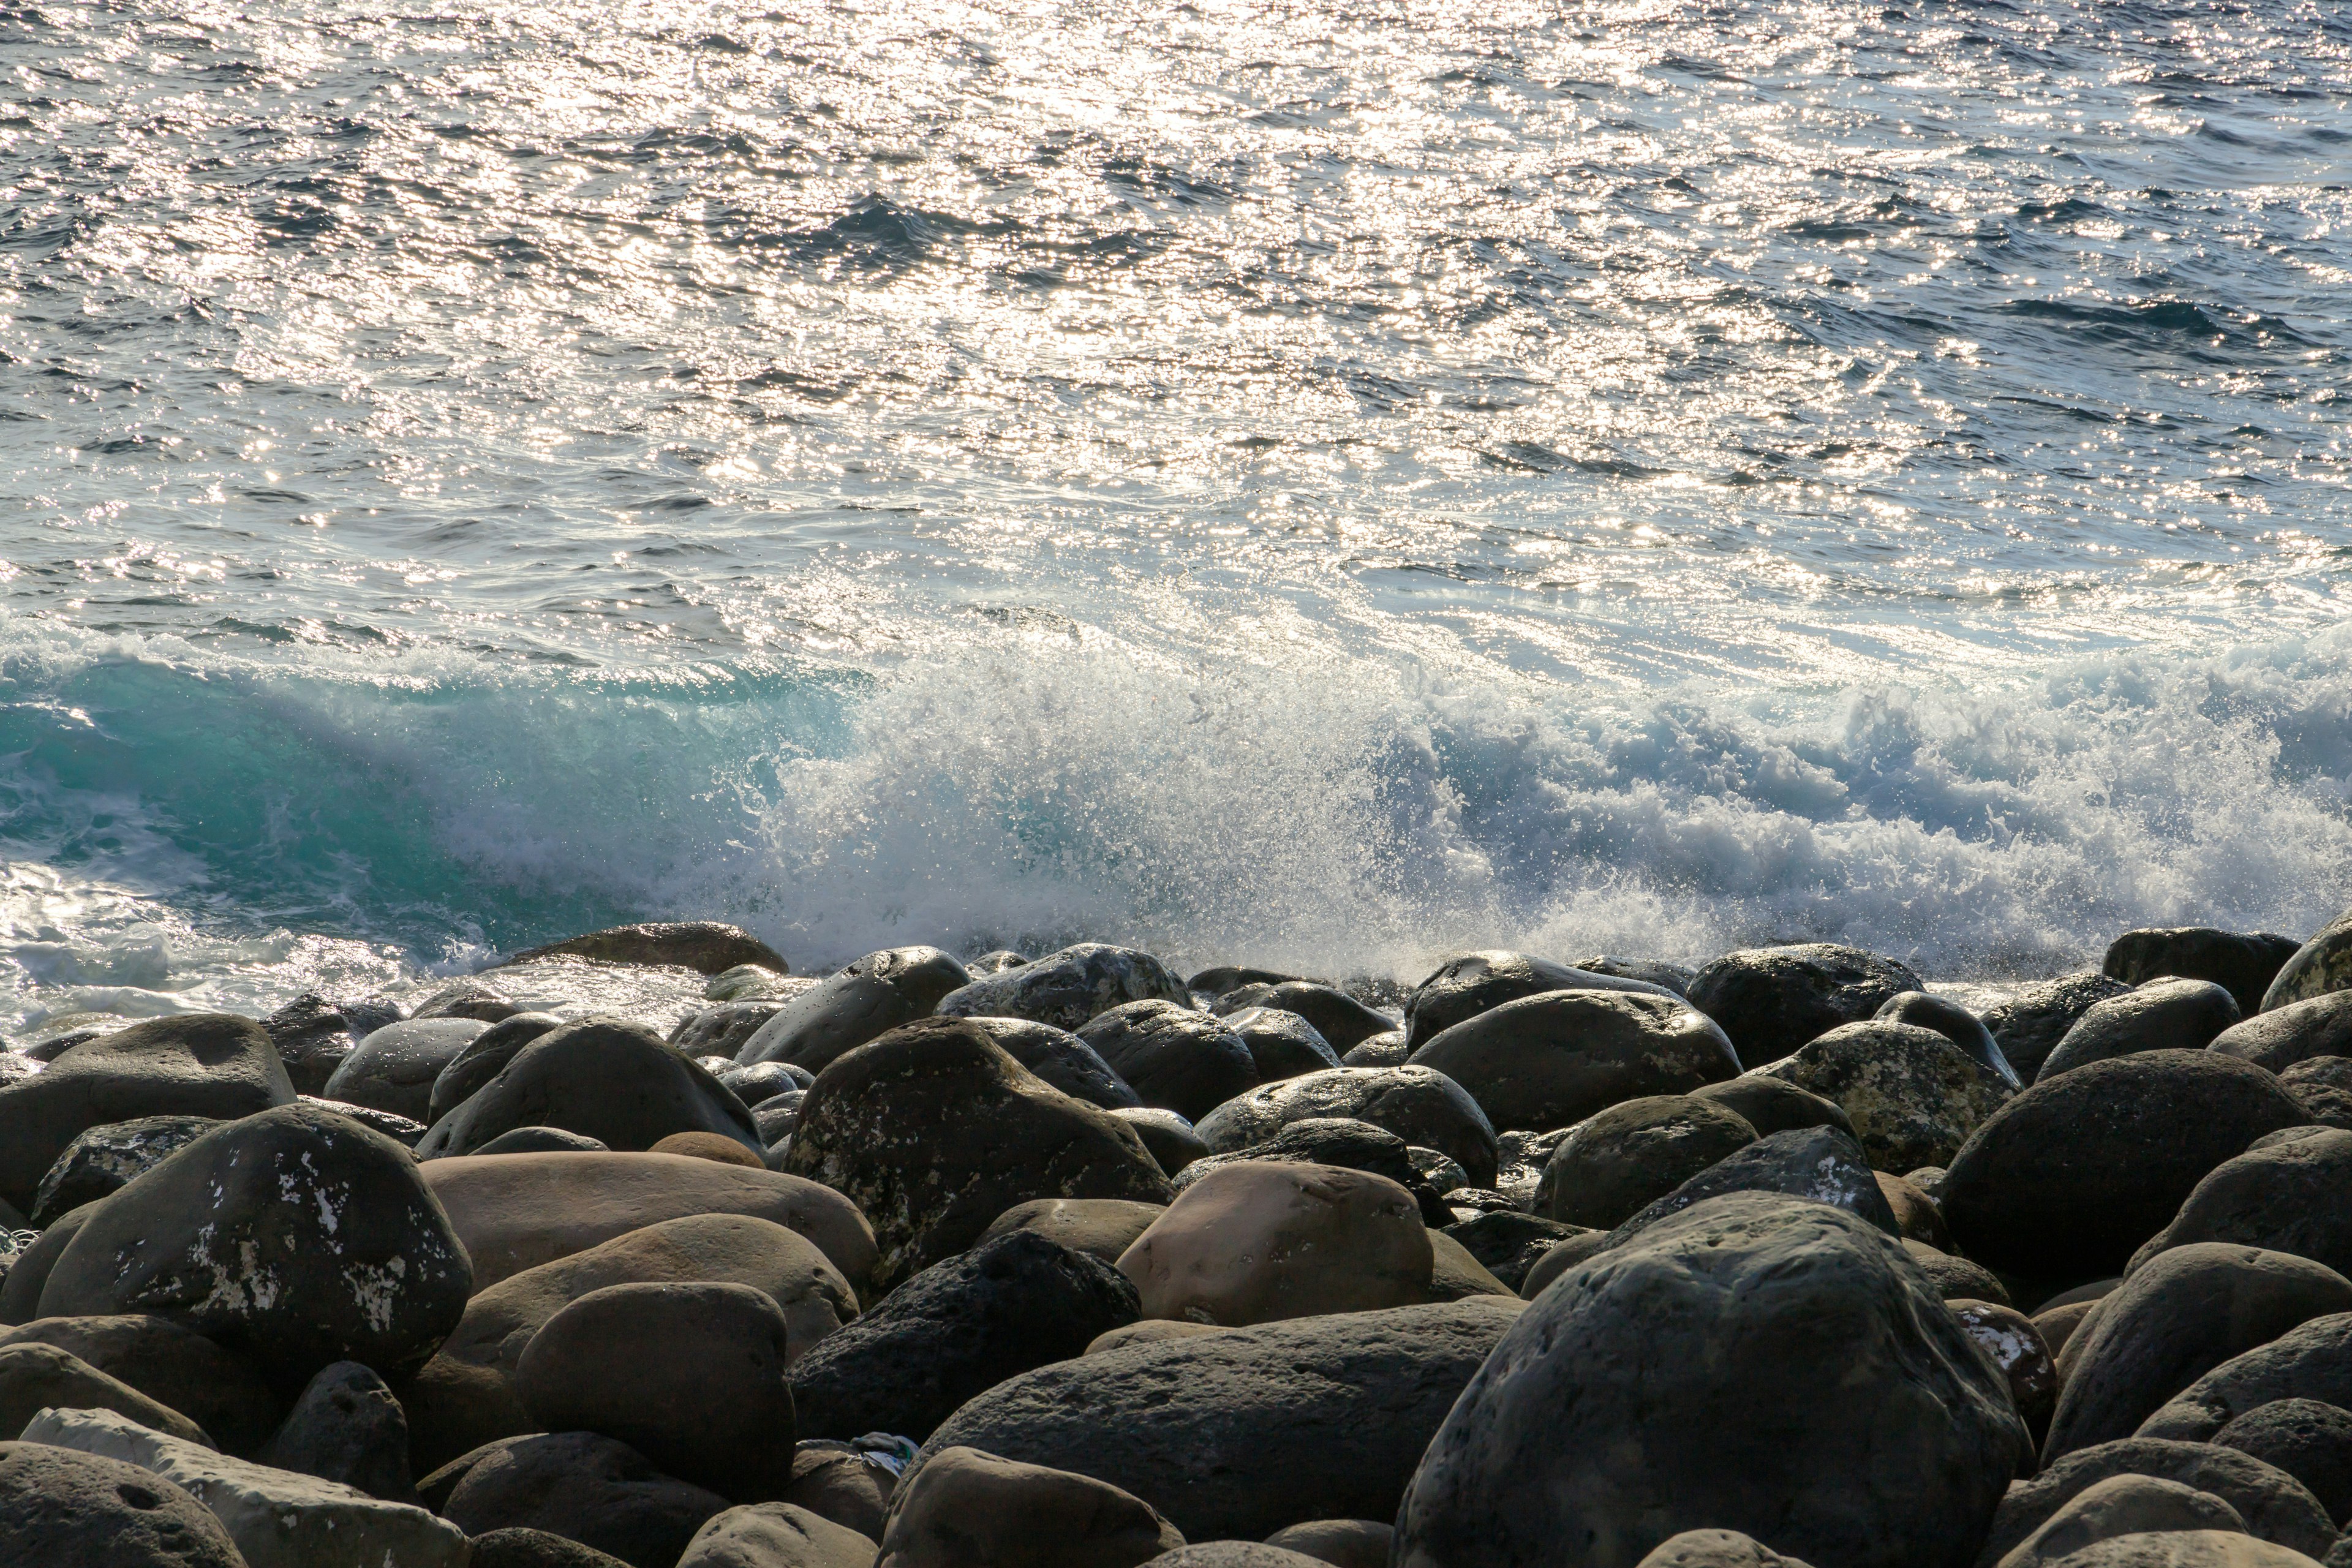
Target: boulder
2162, 1015
965, 1508
346, 1427
1235, 1433
586, 1487
1387, 1050
2295, 1033
197, 1064
707, 947
313, 1035
1613, 1165
277, 1518
867, 999
744, 982
1342, 1543
2311, 1361
1063, 1060
399, 1129
711, 1146
1771, 1000
1715, 1549
1915, 1214
20, 1287
1912, 1095
932, 1131
1282, 1045
1475, 983
395, 1068
1956, 1024
1218, 980
2323, 1087
2016, 1346
2071, 1176
2274, 1505
103, 1160
1167, 1136
1068, 988
2185, 1549
1232, 1554
1820, 1164
2029, 1025
723, 1030
1556, 1058
1100, 1227
482, 1058
1453, 1273
2244, 965
1956, 1278
35, 1376
611, 1080
177, 1368
472, 999
1675, 977
2320, 965
541, 1140
536, 1549
1508, 1243
466, 1394
1264, 1241
1337, 1141
2286, 1198
1173, 1056
295, 1236
959, 1327
2308, 1440
1758, 1362
710, 1406
1775, 1105
1339, 1020
775, 1535
1418, 1104
2122, 1505
839, 1482
63, 1509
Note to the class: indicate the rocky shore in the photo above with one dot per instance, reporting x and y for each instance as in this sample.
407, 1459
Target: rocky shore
640, 1250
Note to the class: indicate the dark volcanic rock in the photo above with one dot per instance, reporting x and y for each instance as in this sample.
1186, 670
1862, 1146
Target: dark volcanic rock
1775, 1105
1474, 983
2319, 966
2163, 1016
100, 1162
1758, 1363
482, 1058
1418, 1104
177, 1367
1956, 1024
313, 1035
1237, 1433
63, 1509
1062, 1059
585, 1487
1335, 1141
20, 1289
1556, 1058
707, 947
1912, 1095
346, 1427
2160, 1512
1282, 1043
1771, 1000
1338, 1019
2280, 1038
2029, 1025
932, 1131
1613, 1165
2067, 1179
394, 1068
1956, 1278
2274, 1505
296, 1236
408, 1134
613, 1081
1173, 1056
869, 998
1170, 1137
1068, 988
1675, 977
723, 1030
967, 1507
1821, 1164
1507, 1243
2313, 1361
2287, 1197
2323, 1087
200, 1064
840, 1482
2244, 965
957, 1328
2017, 1347
2308, 1440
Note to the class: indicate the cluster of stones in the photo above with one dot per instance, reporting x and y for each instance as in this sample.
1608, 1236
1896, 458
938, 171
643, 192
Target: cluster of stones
640, 1250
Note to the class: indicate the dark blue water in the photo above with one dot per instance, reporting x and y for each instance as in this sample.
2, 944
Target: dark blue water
1304, 484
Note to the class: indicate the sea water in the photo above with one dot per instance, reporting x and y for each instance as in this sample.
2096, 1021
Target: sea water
1308, 484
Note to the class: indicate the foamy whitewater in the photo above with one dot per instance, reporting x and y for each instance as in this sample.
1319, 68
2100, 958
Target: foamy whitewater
1312, 485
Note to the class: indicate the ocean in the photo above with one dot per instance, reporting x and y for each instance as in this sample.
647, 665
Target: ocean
1310, 484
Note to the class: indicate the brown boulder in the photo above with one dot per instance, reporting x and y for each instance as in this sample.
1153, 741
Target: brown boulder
965, 1509
1100, 1227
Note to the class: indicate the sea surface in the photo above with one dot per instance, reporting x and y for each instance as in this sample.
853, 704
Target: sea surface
1308, 484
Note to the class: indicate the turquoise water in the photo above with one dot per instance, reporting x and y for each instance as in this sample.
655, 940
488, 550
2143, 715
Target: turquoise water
1311, 485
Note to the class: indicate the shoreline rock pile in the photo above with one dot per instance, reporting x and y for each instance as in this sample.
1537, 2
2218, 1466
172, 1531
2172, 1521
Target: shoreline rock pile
639, 1249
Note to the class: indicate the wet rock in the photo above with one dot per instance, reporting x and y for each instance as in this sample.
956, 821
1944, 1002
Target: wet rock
2029, 1025
277, 1518
724, 1030
1475, 983
2274, 1505
100, 1162
743, 981
1339, 1020
1739, 1366
2308, 1440
28, 1271
222, 1393
465, 1395
1715, 1549
2122, 1505
2162, 1015
482, 1058
1916, 1214
1068, 988
1554, 1058
1170, 1140
707, 947
1225, 978
1102, 1228
1258, 1241
763, 1080
1956, 1278
1281, 1044
2313, 1361
958, 1328
346, 1427
297, 1236
965, 1507
1342, 1543
35, 1376
1173, 1056
1956, 1024
402, 1131
585, 1487
2017, 1347
932, 1131
2069, 1177
862, 1002
1772, 1000
2295, 1033
1675, 977
775, 1535
1912, 1095
777, 1119
2320, 965
2244, 965
468, 999
1386, 1050
1337, 1141
1775, 1105
198, 1063
2286, 1198
996, 962
1613, 1165
62, 1509
1062, 1059
1519, 1160
1820, 1164
1235, 1433
712, 1407
394, 1068
1507, 1243
2323, 1087
610, 1080
1418, 1105
312, 1035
